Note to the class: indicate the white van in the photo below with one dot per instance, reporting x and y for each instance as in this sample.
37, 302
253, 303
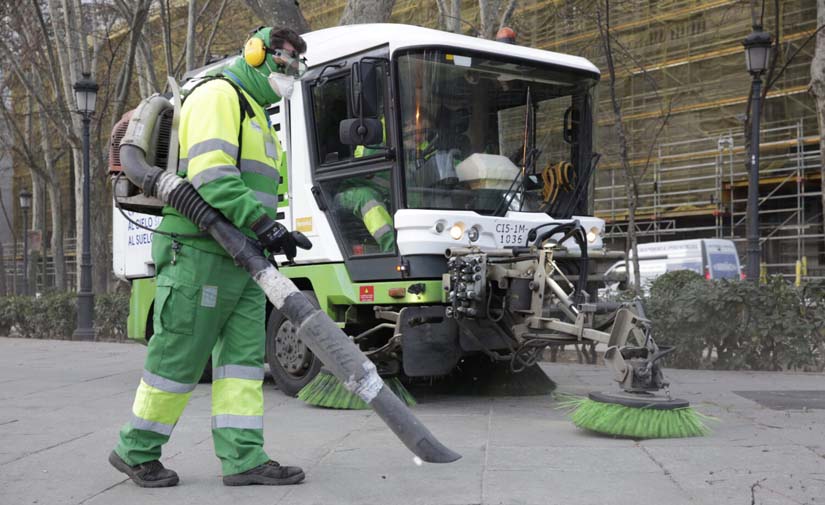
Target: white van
713, 258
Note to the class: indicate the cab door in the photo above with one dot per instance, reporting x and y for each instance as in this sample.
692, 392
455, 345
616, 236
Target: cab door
353, 184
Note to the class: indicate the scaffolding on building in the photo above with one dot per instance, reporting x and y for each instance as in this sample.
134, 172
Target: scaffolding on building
698, 189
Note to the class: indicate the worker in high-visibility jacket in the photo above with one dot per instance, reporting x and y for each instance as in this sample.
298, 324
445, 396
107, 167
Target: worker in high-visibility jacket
205, 304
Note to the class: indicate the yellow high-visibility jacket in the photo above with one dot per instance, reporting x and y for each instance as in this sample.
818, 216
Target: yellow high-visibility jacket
242, 185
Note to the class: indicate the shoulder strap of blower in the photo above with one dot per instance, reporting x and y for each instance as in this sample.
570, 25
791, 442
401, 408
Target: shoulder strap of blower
245, 106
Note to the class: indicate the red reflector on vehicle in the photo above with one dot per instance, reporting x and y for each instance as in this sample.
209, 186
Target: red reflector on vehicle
397, 292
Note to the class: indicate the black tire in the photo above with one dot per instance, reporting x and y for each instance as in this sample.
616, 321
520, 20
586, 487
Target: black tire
291, 362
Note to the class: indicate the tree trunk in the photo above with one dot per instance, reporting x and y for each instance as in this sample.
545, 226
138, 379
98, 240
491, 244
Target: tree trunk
37, 267
190, 37
124, 81
166, 30
150, 77
3, 291
631, 188
279, 13
493, 14
68, 75
55, 206
449, 14
366, 11
58, 253
818, 90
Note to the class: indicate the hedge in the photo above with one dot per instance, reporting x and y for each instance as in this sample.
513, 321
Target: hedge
728, 325
734, 325
54, 315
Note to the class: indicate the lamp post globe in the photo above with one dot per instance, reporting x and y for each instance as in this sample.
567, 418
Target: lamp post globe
25, 205
85, 91
85, 94
757, 53
757, 50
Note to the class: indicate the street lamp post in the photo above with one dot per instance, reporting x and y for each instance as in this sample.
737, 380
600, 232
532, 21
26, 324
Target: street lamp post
85, 91
25, 205
757, 49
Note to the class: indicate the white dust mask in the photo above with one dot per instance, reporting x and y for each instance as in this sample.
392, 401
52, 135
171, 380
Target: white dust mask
282, 84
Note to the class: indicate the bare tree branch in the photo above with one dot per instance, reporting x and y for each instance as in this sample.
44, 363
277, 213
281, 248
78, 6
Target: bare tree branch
507, 14
166, 29
190, 37
208, 47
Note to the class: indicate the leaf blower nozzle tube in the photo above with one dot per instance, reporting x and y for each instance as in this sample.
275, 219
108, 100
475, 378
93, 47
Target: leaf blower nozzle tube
314, 327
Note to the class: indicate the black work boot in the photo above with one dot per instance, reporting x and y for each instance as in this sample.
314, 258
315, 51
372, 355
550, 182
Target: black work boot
149, 474
270, 473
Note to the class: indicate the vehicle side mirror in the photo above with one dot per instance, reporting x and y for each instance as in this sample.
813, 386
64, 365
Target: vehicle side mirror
364, 88
361, 132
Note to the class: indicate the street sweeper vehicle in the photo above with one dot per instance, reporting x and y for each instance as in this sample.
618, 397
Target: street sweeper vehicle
443, 181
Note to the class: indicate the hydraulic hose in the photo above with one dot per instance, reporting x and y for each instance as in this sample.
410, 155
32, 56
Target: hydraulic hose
315, 328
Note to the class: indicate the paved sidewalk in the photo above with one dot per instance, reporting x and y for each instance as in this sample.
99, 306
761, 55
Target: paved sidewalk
62, 403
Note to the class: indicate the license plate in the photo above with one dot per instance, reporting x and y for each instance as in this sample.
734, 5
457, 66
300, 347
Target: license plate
511, 234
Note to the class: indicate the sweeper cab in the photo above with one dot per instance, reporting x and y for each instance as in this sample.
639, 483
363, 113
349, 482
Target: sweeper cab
444, 181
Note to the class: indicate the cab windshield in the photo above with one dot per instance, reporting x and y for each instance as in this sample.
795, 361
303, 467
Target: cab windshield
492, 135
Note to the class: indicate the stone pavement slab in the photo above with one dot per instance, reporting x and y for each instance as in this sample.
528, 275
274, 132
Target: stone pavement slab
62, 403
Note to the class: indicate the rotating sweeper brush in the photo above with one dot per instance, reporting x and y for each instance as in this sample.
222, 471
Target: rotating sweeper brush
643, 407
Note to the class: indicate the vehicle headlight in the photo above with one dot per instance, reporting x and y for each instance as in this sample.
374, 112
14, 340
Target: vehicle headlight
593, 234
457, 231
473, 234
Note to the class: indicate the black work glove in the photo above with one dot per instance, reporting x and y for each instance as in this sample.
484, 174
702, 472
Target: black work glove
275, 238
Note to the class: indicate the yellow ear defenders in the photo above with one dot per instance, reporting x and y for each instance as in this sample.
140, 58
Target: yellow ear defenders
254, 51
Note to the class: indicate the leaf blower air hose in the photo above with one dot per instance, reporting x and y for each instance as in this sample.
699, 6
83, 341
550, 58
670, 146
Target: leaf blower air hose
315, 328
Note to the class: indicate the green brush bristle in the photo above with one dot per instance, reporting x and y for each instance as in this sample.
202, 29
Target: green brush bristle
326, 390
630, 422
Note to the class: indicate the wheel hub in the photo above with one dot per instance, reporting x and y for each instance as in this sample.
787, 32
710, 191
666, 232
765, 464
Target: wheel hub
292, 354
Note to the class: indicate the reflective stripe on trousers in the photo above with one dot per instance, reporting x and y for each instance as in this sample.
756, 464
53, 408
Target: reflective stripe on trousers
237, 397
376, 219
159, 403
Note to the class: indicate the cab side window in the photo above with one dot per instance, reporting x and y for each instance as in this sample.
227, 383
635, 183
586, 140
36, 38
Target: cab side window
331, 104
355, 179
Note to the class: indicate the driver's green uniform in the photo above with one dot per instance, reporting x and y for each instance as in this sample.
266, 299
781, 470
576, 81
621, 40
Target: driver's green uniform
366, 199
204, 303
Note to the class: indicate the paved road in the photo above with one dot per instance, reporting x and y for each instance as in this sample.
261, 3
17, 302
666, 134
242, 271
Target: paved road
61, 404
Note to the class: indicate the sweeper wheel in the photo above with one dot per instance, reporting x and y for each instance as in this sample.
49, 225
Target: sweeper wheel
639, 400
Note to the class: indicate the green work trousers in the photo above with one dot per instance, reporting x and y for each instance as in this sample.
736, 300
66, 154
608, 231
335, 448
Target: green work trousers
365, 202
204, 304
